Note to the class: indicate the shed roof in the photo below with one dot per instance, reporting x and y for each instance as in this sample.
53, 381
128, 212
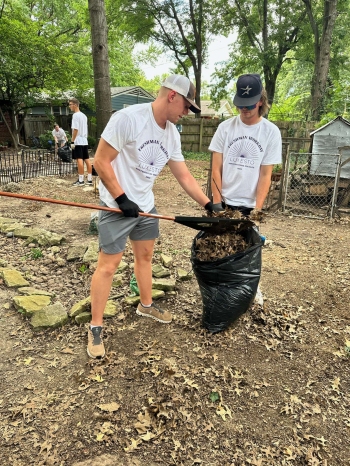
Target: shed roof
331, 122
224, 108
131, 90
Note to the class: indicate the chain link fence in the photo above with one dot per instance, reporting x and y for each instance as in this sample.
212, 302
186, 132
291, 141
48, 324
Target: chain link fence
313, 185
19, 166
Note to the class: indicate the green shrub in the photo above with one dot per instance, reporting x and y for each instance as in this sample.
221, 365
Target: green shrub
46, 139
91, 142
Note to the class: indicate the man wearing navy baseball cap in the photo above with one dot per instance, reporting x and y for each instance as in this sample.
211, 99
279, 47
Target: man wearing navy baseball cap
245, 148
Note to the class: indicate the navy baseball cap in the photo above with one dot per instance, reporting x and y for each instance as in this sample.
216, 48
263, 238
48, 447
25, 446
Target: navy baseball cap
249, 89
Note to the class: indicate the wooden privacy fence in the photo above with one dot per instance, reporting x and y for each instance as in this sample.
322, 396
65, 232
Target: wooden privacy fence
197, 133
39, 124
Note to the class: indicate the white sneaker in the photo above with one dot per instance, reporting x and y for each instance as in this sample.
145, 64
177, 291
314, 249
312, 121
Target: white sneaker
259, 299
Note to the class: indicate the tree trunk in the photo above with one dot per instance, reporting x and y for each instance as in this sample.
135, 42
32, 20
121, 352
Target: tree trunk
322, 48
100, 63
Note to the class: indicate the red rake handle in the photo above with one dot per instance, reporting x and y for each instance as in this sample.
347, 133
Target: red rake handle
76, 204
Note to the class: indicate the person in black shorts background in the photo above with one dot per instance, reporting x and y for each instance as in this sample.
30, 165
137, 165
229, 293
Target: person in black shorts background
79, 143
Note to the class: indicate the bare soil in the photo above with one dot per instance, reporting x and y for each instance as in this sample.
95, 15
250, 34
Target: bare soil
273, 389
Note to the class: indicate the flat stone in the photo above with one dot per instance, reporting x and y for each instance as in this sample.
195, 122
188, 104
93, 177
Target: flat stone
122, 267
166, 260
160, 272
52, 316
91, 254
183, 275
83, 318
29, 305
82, 306
29, 290
76, 252
165, 284
133, 300
117, 280
13, 278
112, 308
10, 227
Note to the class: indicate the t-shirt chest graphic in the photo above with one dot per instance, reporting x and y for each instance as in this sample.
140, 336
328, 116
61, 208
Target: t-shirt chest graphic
152, 156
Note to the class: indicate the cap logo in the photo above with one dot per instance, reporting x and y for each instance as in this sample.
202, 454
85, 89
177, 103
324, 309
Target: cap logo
246, 90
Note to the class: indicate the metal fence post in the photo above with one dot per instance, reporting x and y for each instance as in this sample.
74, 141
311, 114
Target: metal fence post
336, 187
23, 165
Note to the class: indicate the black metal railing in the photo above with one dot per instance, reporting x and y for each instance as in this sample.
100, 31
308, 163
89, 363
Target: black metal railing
18, 166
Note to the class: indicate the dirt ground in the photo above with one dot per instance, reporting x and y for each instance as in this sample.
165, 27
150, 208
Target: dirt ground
273, 389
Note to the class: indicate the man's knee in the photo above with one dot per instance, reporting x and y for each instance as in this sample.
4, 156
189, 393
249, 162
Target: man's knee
108, 263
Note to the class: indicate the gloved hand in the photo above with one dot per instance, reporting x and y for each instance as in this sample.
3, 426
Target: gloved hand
128, 207
72, 145
209, 206
218, 207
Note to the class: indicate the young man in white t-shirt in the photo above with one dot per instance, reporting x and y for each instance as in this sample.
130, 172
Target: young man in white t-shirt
79, 143
245, 149
136, 144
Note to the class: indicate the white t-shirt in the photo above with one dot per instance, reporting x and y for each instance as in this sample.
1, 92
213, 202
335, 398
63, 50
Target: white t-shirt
245, 148
144, 148
60, 134
79, 122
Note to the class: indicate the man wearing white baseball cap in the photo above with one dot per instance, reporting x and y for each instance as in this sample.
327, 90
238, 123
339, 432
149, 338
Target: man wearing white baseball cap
245, 149
136, 144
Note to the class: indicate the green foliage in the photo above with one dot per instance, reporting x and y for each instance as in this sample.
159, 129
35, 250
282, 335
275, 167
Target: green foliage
91, 142
205, 156
277, 168
83, 268
36, 253
47, 140
214, 396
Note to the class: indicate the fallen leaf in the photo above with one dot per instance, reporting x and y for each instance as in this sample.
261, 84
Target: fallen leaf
109, 407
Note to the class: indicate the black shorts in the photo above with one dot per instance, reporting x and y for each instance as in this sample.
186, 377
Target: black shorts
80, 152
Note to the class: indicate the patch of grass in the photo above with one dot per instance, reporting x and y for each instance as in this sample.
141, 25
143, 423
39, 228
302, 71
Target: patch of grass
83, 268
36, 253
205, 156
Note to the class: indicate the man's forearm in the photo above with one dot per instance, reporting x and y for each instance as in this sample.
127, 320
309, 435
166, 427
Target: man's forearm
262, 190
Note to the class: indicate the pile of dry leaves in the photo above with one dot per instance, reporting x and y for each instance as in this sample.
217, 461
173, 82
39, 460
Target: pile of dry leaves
212, 247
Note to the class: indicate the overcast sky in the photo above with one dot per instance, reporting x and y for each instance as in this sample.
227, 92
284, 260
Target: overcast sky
218, 51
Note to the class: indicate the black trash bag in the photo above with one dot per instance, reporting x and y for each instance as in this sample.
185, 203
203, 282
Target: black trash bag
65, 153
228, 286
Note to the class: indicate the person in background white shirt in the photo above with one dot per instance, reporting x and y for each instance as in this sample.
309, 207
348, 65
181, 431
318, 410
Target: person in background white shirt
79, 144
59, 136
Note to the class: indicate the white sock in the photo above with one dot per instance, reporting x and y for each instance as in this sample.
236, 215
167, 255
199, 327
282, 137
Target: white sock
149, 305
94, 326
81, 178
89, 177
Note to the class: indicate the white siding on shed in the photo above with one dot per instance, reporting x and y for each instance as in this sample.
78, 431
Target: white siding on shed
327, 140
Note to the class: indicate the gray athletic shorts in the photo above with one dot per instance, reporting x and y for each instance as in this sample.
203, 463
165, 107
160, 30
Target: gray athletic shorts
114, 230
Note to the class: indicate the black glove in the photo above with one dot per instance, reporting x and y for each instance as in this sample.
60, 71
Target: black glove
209, 206
218, 207
128, 207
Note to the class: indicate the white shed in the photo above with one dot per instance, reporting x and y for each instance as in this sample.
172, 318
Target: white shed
327, 140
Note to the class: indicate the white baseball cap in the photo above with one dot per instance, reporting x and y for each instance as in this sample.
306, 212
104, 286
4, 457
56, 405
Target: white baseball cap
184, 87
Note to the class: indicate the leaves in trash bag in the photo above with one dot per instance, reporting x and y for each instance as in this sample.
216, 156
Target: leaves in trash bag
213, 247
